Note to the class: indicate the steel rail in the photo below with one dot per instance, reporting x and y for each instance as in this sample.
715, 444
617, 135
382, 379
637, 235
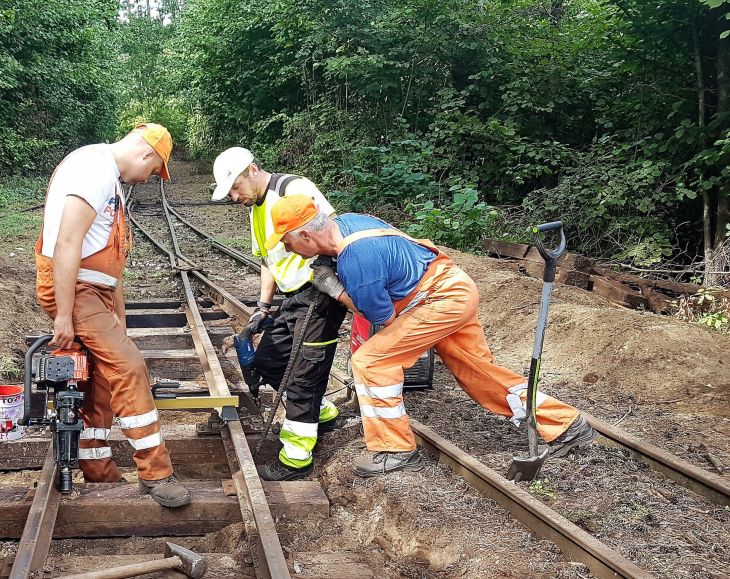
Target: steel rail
38, 530
699, 481
573, 541
229, 251
269, 555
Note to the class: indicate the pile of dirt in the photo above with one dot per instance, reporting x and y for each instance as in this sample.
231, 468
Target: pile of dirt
19, 311
598, 349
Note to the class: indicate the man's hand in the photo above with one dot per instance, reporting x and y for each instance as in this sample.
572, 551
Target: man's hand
63, 333
257, 320
326, 281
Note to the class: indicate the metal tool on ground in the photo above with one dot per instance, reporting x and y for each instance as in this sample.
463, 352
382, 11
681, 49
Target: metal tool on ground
526, 469
296, 347
57, 373
177, 558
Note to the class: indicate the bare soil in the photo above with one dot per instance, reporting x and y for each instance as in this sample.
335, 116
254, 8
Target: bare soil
662, 379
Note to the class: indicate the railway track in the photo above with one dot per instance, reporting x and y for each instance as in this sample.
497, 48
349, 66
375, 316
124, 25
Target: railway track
229, 447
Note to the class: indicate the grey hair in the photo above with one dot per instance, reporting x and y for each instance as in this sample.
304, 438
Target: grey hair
317, 224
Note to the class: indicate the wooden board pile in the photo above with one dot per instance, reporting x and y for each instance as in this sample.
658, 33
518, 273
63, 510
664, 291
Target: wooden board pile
618, 288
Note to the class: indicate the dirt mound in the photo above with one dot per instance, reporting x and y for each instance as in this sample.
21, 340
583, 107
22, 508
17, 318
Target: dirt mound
19, 312
597, 348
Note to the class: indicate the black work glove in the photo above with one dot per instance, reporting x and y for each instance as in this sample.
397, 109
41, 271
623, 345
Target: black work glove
326, 281
260, 318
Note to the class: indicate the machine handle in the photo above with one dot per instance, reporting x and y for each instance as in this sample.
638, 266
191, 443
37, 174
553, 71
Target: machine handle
550, 256
28, 376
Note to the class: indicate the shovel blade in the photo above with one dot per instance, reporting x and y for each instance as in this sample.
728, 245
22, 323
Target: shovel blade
526, 468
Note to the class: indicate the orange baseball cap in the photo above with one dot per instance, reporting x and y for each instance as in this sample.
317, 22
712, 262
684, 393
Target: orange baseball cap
159, 138
289, 213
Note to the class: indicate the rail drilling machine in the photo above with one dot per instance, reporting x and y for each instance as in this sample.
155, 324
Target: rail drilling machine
57, 373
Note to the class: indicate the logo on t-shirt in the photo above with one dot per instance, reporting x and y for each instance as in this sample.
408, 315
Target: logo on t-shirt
111, 208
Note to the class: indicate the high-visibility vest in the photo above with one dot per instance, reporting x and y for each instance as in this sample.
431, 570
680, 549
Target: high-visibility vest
289, 270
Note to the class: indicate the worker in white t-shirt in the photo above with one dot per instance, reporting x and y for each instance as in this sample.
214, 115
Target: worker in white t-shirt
80, 259
308, 412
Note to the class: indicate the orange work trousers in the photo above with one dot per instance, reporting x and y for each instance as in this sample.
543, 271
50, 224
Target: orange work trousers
446, 320
118, 389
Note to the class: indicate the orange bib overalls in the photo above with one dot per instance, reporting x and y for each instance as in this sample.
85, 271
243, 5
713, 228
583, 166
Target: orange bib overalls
441, 312
119, 387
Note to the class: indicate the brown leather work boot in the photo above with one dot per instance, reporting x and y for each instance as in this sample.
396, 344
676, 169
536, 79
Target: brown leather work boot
167, 491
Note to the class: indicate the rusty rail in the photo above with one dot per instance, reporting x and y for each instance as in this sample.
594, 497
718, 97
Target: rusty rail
709, 485
269, 555
38, 531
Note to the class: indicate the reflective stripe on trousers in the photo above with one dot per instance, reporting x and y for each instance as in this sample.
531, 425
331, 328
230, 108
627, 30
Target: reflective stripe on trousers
298, 439
446, 320
327, 411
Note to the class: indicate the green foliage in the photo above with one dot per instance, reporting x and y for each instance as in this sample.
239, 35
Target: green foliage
148, 80
541, 488
16, 194
707, 307
10, 368
434, 112
55, 79
462, 224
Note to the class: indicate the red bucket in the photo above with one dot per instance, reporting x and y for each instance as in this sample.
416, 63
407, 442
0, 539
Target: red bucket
11, 409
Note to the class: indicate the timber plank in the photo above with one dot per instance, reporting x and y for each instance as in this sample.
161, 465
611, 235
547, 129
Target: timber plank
173, 338
506, 248
166, 318
121, 510
618, 293
173, 364
295, 499
30, 453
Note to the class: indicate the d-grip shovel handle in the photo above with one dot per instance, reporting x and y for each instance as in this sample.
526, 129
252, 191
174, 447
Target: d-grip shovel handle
28, 376
550, 256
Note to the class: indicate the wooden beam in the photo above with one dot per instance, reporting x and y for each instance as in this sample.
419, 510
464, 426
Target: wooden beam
618, 293
506, 248
121, 510
173, 364
297, 499
29, 453
166, 318
173, 338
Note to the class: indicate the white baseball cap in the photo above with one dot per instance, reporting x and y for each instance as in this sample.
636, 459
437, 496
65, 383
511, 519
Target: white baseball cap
226, 169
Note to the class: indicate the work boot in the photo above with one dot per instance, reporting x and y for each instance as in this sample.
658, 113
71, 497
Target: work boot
330, 425
277, 470
578, 435
167, 491
384, 462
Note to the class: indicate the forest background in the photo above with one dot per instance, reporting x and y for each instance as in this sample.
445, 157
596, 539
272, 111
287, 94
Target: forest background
457, 119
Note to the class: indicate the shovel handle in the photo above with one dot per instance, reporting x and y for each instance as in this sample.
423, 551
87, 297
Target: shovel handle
550, 256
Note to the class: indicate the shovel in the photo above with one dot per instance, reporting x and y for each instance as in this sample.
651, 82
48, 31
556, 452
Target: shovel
527, 468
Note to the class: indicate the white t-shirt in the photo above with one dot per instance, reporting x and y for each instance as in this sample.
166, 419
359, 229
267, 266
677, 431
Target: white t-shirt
92, 174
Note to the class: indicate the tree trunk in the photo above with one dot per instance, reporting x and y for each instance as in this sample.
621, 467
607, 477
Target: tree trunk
722, 216
707, 201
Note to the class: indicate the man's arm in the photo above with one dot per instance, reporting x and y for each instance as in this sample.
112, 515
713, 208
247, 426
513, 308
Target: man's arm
268, 285
76, 220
